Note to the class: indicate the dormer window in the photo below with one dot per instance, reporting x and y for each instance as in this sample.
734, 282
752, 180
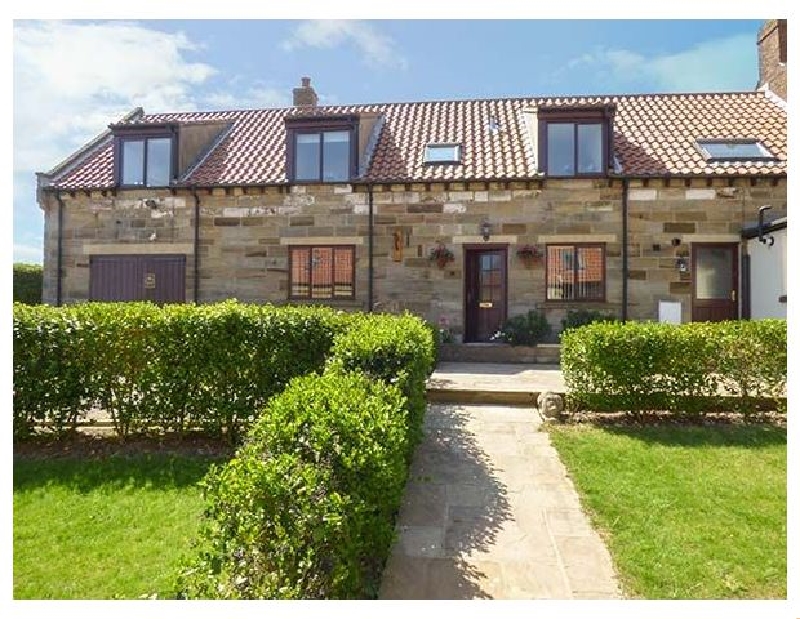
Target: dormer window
322, 150
733, 150
147, 162
146, 157
443, 153
575, 141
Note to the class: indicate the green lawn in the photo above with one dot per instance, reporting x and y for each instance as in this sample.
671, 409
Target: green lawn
687, 512
103, 528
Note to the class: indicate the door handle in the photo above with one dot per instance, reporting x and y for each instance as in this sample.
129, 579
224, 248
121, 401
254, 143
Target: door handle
733, 295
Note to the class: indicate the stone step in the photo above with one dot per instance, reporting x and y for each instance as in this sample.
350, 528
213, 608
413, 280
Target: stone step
445, 395
500, 353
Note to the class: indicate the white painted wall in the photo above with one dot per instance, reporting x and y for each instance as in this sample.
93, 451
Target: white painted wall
767, 276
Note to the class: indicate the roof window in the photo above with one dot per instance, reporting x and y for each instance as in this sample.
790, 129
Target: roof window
443, 153
727, 150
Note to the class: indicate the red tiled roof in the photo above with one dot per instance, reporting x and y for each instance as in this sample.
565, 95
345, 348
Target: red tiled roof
653, 135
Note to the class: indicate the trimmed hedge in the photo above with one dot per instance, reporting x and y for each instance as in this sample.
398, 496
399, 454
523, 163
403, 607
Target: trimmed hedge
306, 509
688, 368
175, 367
400, 350
28, 283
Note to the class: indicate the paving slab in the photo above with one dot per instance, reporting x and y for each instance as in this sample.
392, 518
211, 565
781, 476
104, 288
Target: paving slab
497, 377
490, 513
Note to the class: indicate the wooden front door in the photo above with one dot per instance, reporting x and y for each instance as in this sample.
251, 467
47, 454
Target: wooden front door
485, 292
715, 269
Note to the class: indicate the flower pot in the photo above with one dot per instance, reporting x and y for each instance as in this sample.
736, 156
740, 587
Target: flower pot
442, 262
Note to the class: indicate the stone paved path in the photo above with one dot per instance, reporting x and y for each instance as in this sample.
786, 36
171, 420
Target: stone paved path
490, 513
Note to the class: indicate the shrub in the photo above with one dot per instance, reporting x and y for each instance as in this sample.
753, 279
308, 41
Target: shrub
653, 366
525, 330
581, 317
50, 378
173, 367
28, 282
306, 508
398, 350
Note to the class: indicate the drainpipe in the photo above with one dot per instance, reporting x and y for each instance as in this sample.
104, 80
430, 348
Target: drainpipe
59, 258
196, 244
624, 250
370, 242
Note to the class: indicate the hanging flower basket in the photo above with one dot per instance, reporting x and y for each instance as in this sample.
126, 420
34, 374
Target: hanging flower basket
530, 255
441, 256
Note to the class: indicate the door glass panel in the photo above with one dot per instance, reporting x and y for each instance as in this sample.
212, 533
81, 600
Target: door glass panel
714, 272
490, 278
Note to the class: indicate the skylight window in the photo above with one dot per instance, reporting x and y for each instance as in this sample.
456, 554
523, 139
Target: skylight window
443, 153
727, 150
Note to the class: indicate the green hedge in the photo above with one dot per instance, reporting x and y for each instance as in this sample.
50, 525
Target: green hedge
306, 509
28, 282
400, 350
174, 367
688, 368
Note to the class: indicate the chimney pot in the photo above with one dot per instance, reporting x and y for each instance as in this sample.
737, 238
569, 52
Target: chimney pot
305, 81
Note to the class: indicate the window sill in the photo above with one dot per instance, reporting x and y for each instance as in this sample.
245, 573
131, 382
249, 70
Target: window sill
352, 303
569, 302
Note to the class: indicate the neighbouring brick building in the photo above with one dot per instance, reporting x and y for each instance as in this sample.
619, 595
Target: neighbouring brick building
343, 204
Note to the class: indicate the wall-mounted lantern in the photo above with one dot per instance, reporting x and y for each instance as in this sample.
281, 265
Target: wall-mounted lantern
486, 230
682, 264
769, 241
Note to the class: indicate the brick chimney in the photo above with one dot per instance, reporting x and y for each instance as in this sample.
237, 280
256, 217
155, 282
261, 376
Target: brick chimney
305, 96
772, 56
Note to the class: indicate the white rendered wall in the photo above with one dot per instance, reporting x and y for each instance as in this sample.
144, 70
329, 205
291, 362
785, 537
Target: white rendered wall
767, 277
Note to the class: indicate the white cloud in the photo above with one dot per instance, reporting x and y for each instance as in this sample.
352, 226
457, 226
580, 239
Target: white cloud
72, 79
716, 65
28, 253
377, 50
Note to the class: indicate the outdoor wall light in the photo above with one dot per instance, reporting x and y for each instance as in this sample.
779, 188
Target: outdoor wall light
682, 265
486, 230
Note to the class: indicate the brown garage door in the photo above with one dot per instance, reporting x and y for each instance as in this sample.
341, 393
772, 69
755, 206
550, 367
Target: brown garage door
161, 279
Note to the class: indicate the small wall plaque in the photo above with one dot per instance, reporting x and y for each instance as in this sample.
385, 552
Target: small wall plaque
149, 281
397, 246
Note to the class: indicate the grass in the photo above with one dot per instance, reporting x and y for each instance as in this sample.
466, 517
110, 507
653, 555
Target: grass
687, 512
103, 528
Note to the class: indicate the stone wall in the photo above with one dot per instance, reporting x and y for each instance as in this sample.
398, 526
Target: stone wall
702, 211
245, 234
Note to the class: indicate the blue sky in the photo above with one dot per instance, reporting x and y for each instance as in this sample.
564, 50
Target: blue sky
72, 78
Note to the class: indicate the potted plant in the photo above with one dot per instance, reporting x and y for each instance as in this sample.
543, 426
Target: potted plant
441, 255
529, 254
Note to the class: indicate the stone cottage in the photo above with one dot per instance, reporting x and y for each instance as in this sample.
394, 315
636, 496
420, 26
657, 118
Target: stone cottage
464, 212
